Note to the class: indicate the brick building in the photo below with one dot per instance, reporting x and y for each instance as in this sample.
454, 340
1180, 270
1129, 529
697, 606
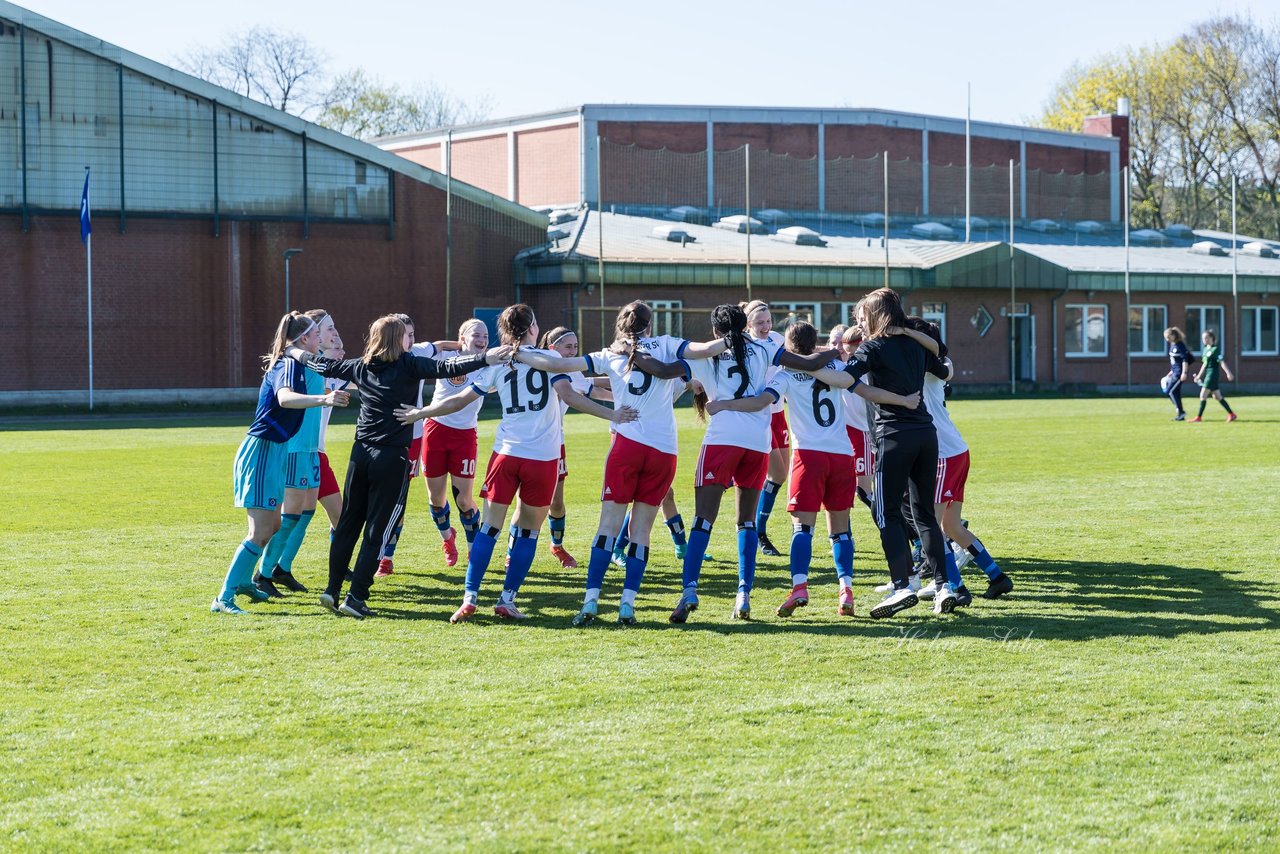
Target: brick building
196, 193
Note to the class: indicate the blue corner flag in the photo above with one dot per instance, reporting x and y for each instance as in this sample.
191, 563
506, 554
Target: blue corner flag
85, 229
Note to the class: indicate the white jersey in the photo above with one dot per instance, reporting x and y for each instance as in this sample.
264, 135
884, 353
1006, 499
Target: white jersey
429, 351
855, 409
580, 383
775, 340
445, 388
950, 444
654, 399
326, 412
815, 412
725, 380
530, 426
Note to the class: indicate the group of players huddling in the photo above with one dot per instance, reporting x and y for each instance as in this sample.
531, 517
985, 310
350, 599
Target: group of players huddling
758, 391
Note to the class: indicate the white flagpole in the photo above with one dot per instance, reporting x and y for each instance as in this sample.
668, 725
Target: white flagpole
968, 160
88, 264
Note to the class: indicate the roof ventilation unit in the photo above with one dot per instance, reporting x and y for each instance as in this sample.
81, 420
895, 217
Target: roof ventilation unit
673, 233
774, 217
1259, 249
933, 231
1044, 226
741, 224
1090, 226
1148, 237
1178, 231
800, 236
559, 216
871, 219
977, 223
689, 214
1207, 247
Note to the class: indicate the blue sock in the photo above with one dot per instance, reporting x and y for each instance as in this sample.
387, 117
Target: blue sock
601, 553
556, 524
390, 551
983, 559
842, 553
481, 554
523, 549
440, 515
801, 552
331, 533
637, 560
470, 524
295, 541
768, 495
699, 537
953, 571
748, 544
275, 548
620, 545
676, 525
241, 571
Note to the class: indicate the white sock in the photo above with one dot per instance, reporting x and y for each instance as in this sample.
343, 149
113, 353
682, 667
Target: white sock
508, 596
798, 578
846, 582
593, 595
629, 597
469, 598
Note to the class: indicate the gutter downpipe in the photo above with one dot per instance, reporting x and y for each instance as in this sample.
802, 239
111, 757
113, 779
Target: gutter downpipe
1053, 304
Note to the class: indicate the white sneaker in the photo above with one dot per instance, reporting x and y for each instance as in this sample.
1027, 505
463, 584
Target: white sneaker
742, 607
896, 601
913, 581
928, 590
884, 588
963, 558
945, 600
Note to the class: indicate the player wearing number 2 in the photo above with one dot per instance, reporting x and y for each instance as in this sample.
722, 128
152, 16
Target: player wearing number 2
526, 455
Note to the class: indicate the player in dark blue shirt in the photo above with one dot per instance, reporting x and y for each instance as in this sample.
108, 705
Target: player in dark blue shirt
260, 461
1180, 359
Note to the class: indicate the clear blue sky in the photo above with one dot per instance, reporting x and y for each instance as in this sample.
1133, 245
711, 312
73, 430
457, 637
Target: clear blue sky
528, 57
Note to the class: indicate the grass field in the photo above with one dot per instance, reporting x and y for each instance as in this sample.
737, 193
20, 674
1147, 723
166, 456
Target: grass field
1123, 696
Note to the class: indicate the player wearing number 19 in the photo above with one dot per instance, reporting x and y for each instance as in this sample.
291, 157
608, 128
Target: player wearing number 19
526, 454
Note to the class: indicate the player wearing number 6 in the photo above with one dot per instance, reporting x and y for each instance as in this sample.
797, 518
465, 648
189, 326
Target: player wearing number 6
821, 476
525, 459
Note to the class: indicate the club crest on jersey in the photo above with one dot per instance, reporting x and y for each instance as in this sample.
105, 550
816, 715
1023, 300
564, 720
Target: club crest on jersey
459, 380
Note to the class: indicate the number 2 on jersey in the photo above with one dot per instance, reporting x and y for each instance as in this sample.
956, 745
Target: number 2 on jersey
741, 391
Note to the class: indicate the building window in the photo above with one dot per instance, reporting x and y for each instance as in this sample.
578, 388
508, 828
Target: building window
936, 312
1146, 329
362, 172
668, 317
1086, 331
1201, 318
787, 313
1258, 330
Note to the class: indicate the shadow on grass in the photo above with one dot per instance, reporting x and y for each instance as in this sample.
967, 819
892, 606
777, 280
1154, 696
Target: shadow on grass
1052, 600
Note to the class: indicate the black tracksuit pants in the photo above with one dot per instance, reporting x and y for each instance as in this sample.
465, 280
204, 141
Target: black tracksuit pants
908, 459
376, 478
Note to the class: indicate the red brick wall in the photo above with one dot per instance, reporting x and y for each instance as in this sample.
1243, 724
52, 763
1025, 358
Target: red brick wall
482, 163
989, 190
427, 155
685, 137
176, 307
547, 166
855, 175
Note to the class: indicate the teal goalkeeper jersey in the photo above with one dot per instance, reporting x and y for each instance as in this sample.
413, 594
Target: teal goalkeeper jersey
307, 439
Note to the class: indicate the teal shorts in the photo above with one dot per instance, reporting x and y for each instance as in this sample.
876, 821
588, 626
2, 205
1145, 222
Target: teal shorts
303, 470
259, 474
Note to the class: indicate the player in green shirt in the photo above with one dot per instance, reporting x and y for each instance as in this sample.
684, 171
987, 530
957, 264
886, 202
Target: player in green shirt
1210, 363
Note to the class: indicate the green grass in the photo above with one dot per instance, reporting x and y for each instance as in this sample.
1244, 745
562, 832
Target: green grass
1123, 696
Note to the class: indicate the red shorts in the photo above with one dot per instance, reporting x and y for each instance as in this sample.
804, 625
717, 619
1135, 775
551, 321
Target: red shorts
820, 479
864, 450
778, 429
727, 465
952, 473
415, 456
534, 480
562, 469
328, 483
636, 472
448, 450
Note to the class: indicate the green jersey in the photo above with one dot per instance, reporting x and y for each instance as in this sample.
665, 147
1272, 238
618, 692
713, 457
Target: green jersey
1211, 357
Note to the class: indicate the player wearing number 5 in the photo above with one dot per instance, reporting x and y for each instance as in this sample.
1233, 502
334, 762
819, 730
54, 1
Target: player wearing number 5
525, 459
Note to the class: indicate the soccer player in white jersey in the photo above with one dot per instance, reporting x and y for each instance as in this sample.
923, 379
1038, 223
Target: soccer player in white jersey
821, 464
449, 450
948, 497
525, 456
641, 464
858, 424
760, 325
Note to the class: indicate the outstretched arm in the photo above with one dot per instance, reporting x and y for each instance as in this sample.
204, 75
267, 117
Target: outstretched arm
743, 404
919, 337
886, 398
832, 377
554, 364
407, 414
810, 363
582, 403
662, 370
703, 350
291, 399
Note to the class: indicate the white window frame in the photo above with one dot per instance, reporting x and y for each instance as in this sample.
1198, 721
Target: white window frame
1256, 312
673, 312
936, 312
1193, 340
785, 308
1084, 309
1145, 329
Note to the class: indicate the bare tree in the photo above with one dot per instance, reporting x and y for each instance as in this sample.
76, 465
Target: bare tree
363, 106
280, 69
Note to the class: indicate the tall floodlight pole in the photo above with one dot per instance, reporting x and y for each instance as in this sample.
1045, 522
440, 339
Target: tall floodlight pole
747, 185
448, 230
1013, 296
886, 219
1128, 299
968, 161
288, 253
1235, 292
600, 232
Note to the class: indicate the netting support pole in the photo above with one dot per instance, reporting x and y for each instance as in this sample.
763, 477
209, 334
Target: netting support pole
22, 96
448, 231
120, 107
886, 219
600, 233
216, 224
747, 184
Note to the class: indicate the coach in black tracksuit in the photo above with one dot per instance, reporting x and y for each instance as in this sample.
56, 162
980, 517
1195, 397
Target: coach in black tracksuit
907, 445
387, 377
